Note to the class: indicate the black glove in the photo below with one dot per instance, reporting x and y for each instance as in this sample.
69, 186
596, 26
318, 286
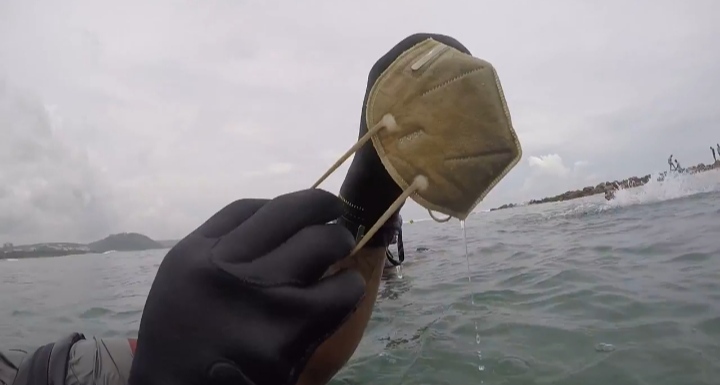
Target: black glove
368, 189
241, 301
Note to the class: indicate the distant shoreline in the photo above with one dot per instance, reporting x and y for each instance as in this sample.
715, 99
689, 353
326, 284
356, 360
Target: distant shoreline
115, 242
38, 254
56, 253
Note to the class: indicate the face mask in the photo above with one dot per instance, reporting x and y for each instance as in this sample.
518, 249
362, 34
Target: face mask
441, 127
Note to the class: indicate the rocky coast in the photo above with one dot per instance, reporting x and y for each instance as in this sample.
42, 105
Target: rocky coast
602, 188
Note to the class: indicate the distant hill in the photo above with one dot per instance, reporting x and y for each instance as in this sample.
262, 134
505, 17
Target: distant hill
124, 242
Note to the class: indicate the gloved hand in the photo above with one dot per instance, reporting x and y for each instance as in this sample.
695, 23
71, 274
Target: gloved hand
241, 301
368, 189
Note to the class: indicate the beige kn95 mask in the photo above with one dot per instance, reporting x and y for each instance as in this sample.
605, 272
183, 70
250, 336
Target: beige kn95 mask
439, 122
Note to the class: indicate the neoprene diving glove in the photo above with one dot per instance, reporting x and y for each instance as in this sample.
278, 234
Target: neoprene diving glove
240, 300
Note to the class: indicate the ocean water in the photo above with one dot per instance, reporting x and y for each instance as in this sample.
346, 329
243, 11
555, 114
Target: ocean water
580, 292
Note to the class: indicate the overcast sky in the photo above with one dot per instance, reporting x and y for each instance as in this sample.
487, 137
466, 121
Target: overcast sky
149, 116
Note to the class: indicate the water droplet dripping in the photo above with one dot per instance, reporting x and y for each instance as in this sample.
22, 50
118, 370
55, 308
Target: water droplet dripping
472, 294
398, 271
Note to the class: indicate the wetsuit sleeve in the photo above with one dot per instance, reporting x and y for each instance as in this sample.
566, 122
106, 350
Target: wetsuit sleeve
10, 361
80, 362
99, 362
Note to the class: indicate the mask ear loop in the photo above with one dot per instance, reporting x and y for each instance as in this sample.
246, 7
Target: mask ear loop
438, 220
387, 121
420, 182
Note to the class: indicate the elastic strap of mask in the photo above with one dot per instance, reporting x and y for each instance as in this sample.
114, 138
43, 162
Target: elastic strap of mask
438, 220
420, 182
386, 122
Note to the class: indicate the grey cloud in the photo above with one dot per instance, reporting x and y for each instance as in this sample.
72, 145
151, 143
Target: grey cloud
180, 108
49, 188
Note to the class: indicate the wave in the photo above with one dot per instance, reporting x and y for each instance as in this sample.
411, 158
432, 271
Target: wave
675, 186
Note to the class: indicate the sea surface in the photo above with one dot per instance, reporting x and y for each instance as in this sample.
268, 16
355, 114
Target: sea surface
579, 293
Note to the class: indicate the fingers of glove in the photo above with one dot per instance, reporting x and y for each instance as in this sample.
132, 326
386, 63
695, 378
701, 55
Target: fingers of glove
330, 302
276, 222
306, 256
310, 315
230, 217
